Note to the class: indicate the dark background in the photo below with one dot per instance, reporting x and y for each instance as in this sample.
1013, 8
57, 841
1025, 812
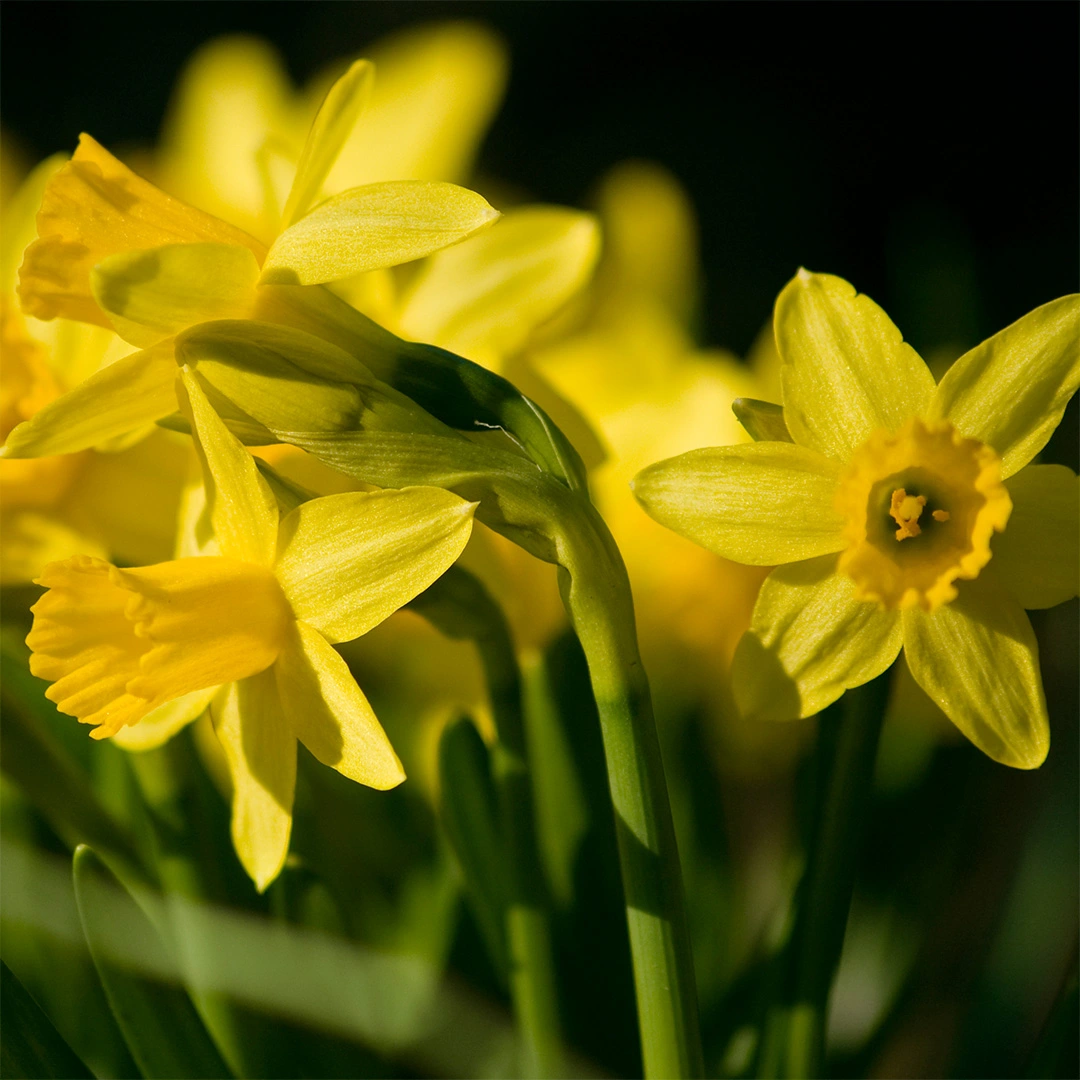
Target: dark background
927, 152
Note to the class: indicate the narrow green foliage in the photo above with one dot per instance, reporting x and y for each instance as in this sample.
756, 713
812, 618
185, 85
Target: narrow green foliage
31, 1046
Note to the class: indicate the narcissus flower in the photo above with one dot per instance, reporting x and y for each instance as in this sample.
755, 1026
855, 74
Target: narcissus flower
120, 502
902, 511
247, 630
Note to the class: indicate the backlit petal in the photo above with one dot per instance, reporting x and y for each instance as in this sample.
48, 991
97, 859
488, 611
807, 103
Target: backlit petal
349, 561
846, 369
809, 641
330, 714
260, 749
233, 94
485, 296
978, 660
436, 90
1011, 390
151, 294
94, 207
366, 228
1037, 557
332, 126
134, 391
242, 507
760, 503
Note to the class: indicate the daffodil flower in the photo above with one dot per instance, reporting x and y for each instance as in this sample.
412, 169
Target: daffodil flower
902, 513
120, 502
248, 631
116, 251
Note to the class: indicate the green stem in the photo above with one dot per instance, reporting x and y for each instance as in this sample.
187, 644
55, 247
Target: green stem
460, 607
560, 525
596, 592
847, 747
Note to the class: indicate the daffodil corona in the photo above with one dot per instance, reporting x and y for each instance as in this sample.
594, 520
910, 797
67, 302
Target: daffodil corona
899, 514
246, 630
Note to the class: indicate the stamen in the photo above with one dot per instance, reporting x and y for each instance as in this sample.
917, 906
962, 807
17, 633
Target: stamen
941, 515
905, 510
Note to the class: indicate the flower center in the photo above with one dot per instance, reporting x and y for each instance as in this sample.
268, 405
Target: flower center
920, 507
116, 644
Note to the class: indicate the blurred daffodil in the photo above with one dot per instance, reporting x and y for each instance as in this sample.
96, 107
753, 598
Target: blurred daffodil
246, 629
629, 366
236, 127
902, 511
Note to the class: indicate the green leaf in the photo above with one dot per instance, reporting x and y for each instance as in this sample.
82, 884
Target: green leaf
162, 1028
468, 807
763, 421
35, 761
31, 1046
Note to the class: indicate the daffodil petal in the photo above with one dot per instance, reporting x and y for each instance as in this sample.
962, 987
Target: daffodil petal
242, 506
762, 420
978, 660
809, 641
1011, 390
159, 726
151, 294
486, 295
348, 561
267, 372
233, 93
330, 714
846, 369
369, 227
436, 90
1037, 557
136, 390
759, 503
30, 540
94, 207
260, 750
333, 124
650, 238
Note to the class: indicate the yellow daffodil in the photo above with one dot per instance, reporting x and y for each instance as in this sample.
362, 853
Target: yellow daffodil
120, 502
115, 250
902, 513
248, 630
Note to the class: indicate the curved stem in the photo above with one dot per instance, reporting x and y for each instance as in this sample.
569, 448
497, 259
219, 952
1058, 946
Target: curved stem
596, 592
560, 525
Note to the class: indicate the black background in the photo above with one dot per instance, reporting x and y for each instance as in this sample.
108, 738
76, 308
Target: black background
927, 152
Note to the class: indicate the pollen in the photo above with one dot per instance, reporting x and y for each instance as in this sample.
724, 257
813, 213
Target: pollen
920, 507
116, 644
905, 510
